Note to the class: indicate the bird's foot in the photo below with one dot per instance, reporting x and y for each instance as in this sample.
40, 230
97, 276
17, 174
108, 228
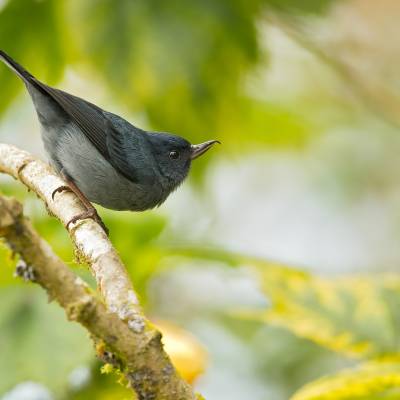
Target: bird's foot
89, 213
60, 189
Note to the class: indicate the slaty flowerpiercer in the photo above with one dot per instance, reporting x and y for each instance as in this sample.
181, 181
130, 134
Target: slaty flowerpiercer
103, 158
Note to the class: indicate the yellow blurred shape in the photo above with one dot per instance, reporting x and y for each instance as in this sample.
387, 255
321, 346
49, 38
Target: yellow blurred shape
370, 381
187, 354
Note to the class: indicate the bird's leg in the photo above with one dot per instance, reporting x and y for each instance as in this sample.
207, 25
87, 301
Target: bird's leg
90, 212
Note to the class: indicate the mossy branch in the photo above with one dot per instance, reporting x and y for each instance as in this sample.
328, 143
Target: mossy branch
122, 334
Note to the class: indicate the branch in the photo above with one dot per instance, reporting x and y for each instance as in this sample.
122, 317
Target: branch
124, 337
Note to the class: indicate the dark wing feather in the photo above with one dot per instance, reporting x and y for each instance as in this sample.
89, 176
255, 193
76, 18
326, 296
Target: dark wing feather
119, 142
129, 150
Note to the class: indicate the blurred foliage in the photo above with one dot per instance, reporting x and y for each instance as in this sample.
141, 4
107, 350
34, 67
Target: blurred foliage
137, 243
356, 316
163, 58
30, 331
31, 30
379, 380
185, 67
305, 6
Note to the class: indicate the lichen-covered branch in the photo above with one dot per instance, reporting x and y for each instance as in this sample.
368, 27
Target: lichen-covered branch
122, 334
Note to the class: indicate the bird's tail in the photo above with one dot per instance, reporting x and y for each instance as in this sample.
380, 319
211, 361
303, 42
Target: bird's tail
18, 69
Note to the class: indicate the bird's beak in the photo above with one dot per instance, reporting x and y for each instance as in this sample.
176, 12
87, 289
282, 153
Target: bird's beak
199, 149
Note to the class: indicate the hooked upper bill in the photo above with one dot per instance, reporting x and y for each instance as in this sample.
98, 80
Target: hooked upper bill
199, 149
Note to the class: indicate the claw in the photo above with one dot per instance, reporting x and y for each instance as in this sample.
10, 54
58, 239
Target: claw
22, 166
90, 213
60, 189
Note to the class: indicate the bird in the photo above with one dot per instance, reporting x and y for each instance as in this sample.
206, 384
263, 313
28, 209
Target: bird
102, 157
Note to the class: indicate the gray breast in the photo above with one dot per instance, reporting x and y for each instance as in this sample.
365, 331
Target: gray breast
72, 153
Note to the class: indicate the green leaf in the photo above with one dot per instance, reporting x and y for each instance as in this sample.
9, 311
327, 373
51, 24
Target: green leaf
379, 380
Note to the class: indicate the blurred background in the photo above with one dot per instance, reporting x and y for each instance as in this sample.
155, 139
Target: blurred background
274, 269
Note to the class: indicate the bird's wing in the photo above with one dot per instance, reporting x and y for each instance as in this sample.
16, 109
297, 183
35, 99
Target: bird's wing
119, 142
87, 116
116, 140
129, 151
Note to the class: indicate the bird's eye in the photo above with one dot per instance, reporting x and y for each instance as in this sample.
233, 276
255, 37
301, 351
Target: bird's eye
174, 154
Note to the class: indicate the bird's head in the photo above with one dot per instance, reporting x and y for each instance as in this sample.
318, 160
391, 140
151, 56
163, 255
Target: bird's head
173, 155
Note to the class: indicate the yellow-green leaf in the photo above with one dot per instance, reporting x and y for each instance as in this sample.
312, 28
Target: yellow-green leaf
353, 315
378, 380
